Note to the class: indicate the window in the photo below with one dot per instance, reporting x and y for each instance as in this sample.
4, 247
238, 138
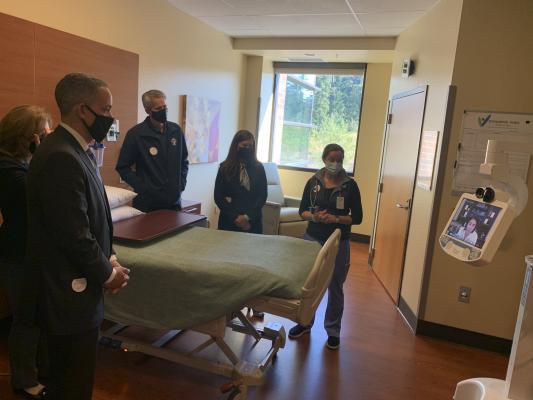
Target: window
315, 105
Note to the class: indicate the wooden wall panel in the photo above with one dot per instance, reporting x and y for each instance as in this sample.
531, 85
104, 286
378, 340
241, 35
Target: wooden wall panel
16, 62
58, 53
33, 58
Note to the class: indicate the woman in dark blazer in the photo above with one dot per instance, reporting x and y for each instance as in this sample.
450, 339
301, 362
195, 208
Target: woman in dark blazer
241, 187
21, 131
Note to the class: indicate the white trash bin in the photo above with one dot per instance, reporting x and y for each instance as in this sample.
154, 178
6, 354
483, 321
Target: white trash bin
480, 389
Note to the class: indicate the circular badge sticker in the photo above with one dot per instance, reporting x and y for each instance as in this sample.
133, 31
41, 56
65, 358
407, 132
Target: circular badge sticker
79, 285
153, 151
173, 141
316, 189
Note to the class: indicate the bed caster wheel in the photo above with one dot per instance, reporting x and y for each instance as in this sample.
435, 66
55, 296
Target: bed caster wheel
232, 391
235, 395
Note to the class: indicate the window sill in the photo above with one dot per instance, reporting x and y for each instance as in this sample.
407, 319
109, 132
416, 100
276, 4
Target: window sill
302, 169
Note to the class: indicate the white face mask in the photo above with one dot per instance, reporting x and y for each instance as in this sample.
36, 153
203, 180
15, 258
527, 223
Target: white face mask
333, 167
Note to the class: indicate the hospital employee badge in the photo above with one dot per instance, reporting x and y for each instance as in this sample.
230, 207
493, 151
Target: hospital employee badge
153, 151
173, 141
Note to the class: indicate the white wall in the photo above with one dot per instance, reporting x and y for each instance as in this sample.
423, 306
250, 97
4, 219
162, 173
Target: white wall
177, 54
492, 72
431, 42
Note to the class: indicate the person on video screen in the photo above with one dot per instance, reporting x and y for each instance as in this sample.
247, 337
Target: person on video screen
468, 234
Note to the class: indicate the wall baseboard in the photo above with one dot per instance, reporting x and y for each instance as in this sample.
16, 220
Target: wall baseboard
358, 237
451, 334
464, 337
408, 314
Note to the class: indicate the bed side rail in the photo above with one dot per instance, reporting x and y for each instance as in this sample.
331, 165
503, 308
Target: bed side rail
319, 278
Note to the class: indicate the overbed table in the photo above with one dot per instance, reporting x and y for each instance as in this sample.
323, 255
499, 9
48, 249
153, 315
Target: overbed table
152, 225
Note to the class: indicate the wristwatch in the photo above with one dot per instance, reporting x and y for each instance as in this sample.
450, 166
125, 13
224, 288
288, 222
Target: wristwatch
337, 219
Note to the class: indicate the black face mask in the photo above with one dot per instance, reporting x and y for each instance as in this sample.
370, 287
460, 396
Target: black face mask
160, 116
245, 153
98, 130
33, 147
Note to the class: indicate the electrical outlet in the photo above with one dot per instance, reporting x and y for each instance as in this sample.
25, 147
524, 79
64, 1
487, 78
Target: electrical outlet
464, 294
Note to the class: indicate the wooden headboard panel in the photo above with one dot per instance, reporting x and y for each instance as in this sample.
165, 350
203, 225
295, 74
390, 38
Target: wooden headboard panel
34, 58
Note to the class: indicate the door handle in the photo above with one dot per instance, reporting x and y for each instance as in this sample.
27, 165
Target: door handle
405, 206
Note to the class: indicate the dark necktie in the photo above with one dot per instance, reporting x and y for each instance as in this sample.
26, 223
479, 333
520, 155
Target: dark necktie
91, 156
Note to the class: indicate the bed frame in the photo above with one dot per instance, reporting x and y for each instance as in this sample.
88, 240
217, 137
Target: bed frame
241, 372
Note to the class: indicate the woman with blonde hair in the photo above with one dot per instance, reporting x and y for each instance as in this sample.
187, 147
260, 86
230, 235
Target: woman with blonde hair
21, 131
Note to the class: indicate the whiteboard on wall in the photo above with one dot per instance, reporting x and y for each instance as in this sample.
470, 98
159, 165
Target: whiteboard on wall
478, 128
426, 159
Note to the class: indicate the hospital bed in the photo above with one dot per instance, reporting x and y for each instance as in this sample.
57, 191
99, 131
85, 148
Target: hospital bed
295, 297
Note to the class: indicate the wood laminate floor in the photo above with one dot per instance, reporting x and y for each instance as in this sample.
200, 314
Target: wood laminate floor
379, 359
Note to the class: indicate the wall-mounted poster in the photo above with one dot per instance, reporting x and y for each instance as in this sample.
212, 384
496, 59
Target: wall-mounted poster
200, 120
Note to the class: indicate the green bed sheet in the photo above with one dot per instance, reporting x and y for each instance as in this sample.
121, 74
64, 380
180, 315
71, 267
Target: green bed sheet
200, 274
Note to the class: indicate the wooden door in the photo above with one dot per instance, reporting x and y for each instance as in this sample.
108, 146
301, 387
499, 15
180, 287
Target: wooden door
398, 171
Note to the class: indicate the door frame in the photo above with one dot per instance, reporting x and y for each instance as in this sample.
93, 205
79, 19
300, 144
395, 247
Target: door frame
411, 92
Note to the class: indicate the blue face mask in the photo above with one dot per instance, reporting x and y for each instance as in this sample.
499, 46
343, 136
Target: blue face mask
333, 167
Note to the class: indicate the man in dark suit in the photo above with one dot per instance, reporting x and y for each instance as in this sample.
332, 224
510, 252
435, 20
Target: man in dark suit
70, 233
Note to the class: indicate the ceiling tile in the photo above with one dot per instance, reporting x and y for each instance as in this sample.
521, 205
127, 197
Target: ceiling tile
284, 7
311, 22
233, 22
389, 20
326, 25
306, 17
198, 8
314, 33
375, 6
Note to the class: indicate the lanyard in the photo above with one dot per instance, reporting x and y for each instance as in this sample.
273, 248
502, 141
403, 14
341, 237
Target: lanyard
313, 194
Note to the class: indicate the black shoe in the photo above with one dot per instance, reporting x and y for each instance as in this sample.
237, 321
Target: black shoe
333, 342
298, 330
43, 394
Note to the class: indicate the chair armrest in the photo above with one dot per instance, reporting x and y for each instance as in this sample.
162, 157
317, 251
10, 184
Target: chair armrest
273, 204
271, 212
292, 201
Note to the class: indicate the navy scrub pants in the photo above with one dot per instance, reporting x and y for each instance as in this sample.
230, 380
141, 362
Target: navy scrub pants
335, 308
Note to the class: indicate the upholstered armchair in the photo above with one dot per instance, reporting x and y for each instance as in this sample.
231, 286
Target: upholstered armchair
280, 213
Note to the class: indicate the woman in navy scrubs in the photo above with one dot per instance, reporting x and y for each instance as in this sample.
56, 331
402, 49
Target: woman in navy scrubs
331, 200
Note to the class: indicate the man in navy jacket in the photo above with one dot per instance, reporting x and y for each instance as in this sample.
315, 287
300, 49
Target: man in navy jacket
153, 158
